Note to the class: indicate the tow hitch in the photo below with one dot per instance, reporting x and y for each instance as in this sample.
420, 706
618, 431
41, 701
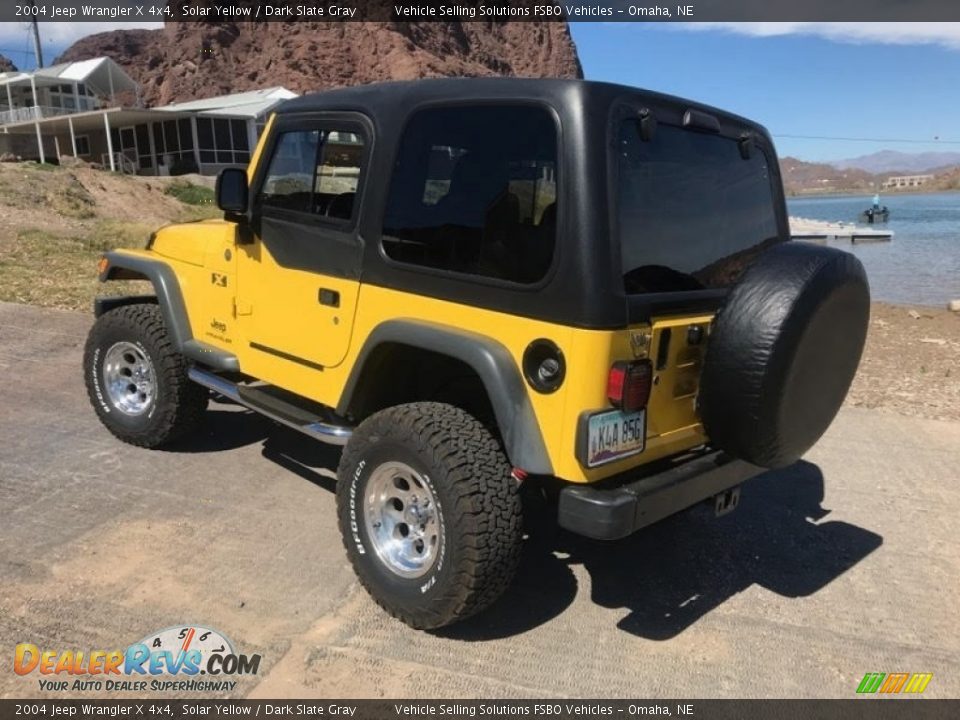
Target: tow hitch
726, 502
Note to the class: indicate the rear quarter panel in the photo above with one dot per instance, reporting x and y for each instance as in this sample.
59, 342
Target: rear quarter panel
672, 426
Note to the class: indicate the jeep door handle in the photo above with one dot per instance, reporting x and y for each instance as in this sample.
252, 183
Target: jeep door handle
326, 296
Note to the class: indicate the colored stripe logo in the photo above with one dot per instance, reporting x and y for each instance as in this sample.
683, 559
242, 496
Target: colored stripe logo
894, 683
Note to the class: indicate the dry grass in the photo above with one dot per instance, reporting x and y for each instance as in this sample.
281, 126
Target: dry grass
41, 267
55, 223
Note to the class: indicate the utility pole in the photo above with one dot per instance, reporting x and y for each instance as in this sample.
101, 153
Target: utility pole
36, 37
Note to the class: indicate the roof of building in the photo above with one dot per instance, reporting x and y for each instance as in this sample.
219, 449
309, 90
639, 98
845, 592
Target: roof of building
101, 74
251, 103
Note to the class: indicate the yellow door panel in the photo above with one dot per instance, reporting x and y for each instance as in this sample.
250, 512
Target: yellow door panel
298, 278
301, 314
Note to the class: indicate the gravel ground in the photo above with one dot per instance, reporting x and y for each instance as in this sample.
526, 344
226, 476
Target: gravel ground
844, 564
911, 364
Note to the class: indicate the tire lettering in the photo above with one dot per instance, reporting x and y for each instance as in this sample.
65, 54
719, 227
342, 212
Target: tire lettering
354, 529
96, 380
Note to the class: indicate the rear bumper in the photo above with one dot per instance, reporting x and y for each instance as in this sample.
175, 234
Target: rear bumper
609, 513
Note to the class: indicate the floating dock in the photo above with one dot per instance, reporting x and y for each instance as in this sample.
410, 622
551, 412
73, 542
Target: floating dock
819, 231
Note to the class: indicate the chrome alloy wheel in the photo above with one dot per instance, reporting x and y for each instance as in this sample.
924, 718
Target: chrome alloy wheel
129, 378
402, 519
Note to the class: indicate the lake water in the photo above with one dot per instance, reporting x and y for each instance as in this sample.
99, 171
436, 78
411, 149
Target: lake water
922, 263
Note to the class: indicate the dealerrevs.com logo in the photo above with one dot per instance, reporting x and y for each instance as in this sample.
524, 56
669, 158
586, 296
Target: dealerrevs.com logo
171, 660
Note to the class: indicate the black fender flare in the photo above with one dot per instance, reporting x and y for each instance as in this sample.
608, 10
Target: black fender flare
120, 266
496, 369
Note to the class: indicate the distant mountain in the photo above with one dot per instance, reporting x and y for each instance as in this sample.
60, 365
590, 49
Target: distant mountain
893, 161
803, 178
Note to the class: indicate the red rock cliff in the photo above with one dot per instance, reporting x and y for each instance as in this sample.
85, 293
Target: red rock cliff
192, 60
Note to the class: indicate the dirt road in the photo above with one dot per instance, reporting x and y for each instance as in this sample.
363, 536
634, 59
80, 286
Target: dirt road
845, 564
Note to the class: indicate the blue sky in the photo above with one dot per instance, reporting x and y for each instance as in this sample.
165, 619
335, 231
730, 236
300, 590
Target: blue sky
888, 84
844, 80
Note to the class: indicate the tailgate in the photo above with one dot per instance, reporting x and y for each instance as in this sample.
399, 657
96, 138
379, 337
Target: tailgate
677, 347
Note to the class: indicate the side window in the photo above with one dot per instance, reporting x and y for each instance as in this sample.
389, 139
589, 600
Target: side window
474, 190
314, 171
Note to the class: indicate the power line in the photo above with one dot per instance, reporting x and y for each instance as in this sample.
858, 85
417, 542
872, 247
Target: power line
914, 141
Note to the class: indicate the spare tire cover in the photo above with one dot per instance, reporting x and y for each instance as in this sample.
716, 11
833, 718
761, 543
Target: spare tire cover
783, 351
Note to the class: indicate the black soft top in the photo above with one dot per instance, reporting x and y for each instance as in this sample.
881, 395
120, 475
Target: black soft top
374, 98
584, 287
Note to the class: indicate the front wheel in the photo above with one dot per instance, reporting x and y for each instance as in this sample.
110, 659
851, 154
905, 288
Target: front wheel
429, 513
136, 379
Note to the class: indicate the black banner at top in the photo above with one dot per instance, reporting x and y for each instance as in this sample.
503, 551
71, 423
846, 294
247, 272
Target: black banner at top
181, 709
127, 11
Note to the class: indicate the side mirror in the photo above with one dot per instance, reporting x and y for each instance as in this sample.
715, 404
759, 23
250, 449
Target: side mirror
232, 191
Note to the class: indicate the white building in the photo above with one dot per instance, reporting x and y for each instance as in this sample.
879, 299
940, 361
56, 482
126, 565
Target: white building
907, 181
92, 110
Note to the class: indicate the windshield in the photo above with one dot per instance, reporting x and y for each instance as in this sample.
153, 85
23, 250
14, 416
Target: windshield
693, 212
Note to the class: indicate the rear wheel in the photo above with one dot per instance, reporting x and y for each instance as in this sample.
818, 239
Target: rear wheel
137, 381
429, 513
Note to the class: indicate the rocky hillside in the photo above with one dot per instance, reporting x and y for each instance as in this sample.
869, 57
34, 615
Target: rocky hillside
803, 178
900, 162
216, 58
6, 65
948, 179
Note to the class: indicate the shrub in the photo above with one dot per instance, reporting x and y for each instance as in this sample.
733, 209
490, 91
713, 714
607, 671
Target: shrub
190, 194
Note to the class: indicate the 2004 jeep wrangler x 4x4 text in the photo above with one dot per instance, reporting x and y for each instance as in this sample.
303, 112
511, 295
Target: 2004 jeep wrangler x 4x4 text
484, 289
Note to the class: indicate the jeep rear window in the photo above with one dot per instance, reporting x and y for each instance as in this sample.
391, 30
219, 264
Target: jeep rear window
693, 212
474, 191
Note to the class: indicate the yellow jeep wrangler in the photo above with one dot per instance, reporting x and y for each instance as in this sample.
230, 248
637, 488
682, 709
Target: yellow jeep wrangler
481, 286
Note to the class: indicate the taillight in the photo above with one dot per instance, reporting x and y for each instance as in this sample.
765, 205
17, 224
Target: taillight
628, 385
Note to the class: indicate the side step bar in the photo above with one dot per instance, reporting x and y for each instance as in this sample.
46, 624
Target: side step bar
279, 406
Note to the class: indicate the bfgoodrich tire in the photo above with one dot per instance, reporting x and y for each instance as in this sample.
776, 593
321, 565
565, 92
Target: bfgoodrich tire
137, 381
429, 513
783, 352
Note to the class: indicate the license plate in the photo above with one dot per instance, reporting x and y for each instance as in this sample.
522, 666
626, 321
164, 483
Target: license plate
615, 435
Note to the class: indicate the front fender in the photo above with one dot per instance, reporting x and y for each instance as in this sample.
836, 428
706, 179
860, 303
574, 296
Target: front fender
123, 266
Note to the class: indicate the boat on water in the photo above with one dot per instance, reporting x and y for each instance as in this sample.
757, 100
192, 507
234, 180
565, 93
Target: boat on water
875, 215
